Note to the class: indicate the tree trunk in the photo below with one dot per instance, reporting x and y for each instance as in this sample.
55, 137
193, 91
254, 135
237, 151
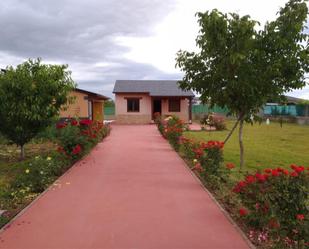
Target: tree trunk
231, 132
241, 145
22, 153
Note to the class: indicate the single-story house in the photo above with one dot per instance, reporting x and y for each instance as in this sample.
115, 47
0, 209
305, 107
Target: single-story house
136, 101
84, 105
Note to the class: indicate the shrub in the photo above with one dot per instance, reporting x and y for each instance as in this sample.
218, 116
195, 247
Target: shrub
277, 202
207, 159
214, 120
77, 138
173, 131
171, 128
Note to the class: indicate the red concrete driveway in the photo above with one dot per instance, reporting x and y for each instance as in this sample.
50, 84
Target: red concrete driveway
133, 191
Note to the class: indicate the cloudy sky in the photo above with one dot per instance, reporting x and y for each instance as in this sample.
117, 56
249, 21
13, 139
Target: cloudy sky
105, 40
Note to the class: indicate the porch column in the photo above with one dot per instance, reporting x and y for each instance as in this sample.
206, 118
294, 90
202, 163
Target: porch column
190, 110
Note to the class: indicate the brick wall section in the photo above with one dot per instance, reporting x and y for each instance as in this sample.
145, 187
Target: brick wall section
133, 119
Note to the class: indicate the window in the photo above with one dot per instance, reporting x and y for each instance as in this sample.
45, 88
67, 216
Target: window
133, 105
174, 105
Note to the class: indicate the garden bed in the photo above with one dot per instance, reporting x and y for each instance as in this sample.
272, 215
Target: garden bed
270, 205
46, 159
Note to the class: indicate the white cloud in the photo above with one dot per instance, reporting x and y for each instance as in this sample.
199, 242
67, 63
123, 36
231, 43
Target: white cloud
179, 29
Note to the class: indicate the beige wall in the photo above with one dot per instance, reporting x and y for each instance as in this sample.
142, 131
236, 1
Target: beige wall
145, 114
141, 117
79, 107
184, 109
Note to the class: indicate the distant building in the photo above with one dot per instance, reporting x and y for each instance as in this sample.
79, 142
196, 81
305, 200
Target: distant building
86, 104
289, 101
137, 100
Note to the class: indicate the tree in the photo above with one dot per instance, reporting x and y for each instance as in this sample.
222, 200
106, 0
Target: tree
31, 96
109, 103
240, 67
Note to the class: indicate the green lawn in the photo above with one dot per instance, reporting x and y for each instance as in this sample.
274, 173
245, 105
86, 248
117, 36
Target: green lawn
265, 145
10, 165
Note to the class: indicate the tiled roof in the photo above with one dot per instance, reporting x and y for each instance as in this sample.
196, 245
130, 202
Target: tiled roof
153, 87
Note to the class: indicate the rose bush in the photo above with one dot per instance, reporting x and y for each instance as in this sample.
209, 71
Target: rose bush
214, 120
277, 202
171, 128
75, 138
207, 159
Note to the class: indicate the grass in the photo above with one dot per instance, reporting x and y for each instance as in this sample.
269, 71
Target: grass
11, 167
265, 145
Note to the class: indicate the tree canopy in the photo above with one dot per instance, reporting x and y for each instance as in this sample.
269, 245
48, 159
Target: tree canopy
31, 96
240, 66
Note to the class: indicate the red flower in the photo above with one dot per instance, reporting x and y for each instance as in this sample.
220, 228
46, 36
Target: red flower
299, 169
240, 185
293, 166
85, 122
61, 125
198, 152
286, 172
273, 223
77, 149
198, 167
275, 172
60, 149
294, 174
300, 216
260, 177
250, 179
243, 212
268, 171
230, 165
74, 122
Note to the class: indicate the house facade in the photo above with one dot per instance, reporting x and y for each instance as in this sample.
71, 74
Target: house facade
84, 105
136, 101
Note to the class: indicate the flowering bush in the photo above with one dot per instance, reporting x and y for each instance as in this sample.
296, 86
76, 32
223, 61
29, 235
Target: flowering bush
76, 138
276, 201
173, 131
207, 159
171, 128
214, 120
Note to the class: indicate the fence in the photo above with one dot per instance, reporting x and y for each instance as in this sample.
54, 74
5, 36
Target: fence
109, 111
274, 110
286, 110
203, 109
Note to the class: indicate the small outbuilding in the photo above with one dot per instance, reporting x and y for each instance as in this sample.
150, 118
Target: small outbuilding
136, 101
84, 105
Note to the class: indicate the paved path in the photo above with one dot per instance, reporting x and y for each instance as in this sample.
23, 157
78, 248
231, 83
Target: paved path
133, 191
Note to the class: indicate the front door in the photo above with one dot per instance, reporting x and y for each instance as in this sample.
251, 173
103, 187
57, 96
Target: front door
157, 106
